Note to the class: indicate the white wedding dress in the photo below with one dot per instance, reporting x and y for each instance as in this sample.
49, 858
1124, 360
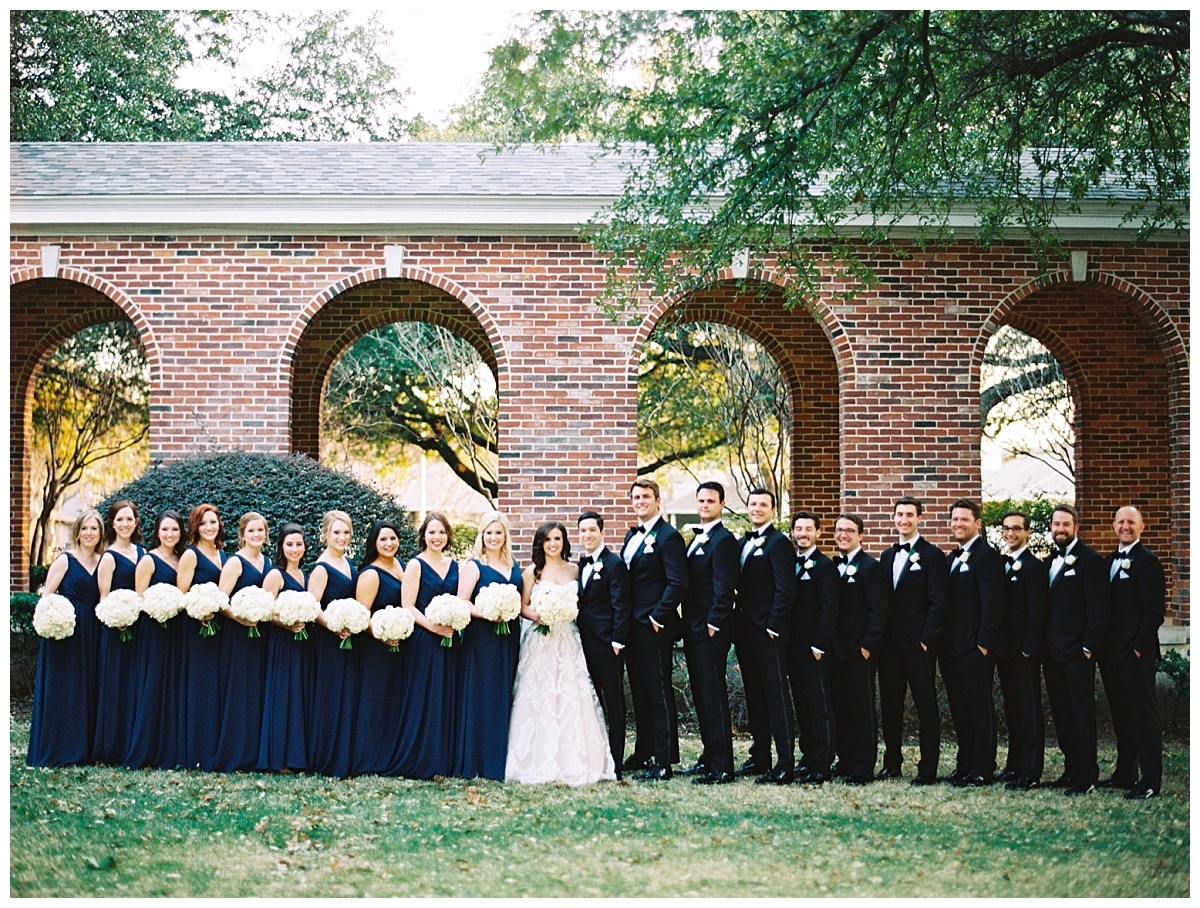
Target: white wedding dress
556, 730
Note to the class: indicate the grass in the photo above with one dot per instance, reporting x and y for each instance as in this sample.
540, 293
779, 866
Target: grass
109, 832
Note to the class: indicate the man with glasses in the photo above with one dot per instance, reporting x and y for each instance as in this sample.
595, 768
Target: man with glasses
1017, 650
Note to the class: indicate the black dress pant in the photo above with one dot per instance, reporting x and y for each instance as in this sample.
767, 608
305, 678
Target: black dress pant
605, 668
1021, 685
763, 662
812, 695
706, 660
650, 689
915, 670
854, 716
968, 680
1133, 702
1070, 687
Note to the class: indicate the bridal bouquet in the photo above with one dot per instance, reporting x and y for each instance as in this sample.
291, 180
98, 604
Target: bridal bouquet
294, 607
118, 610
391, 625
449, 611
499, 602
162, 602
347, 615
202, 602
252, 603
555, 605
54, 617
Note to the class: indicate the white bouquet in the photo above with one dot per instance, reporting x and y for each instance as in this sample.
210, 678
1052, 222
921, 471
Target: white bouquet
252, 603
449, 611
499, 602
392, 624
119, 610
347, 615
202, 602
294, 607
54, 617
554, 604
162, 602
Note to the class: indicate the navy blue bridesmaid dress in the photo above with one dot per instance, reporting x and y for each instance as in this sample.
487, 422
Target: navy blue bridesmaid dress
155, 738
64, 689
287, 693
487, 668
426, 745
380, 704
331, 722
116, 677
199, 700
242, 679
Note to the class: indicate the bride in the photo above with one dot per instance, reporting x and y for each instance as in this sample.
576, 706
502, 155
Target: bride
556, 731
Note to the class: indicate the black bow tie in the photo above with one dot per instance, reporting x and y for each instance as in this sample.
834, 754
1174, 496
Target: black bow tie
696, 531
957, 553
1062, 552
753, 534
903, 546
636, 528
842, 559
586, 560
1009, 559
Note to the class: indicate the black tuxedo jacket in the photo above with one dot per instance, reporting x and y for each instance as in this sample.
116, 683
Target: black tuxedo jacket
712, 582
975, 604
767, 583
658, 576
862, 609
917, 605
1138, 603
814, 613
1077, 606
1024, 608
604, 604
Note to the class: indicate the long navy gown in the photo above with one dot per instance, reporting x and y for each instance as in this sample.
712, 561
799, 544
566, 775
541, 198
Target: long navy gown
242, 678
380, 704
331, 722
155, 738
487, 667
426, 744
64, 690
287, 692
199, 700
117, 676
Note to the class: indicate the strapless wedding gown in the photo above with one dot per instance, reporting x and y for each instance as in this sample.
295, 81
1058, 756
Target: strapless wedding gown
556, 730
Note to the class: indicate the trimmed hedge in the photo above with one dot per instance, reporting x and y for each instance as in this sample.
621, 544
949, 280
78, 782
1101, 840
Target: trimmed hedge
286, 489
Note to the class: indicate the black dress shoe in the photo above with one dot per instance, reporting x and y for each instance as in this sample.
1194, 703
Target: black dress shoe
887, 773
713, 777
1141, 793
972, 780
1063, 781
923, 780
1022, 783
1114, 782
750, 768
1081, 788
697, 769
1009, 775
813, 777
634, 763
657, 774
776, 777
954, 776
836, 771
855, 779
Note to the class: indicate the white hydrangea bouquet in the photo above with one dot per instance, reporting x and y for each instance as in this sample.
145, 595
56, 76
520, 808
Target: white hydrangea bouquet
294, 607
54, 617
499, 602
449, 611
391, 625
202, 602
347, 615
252, 603
162, 602
119, 610
554, 604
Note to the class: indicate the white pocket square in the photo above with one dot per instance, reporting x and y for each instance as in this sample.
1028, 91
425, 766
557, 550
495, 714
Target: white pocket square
1070, 573
1122, 576
849, 579
914, 568
757, 553
1012, 579
805, 576
964, 568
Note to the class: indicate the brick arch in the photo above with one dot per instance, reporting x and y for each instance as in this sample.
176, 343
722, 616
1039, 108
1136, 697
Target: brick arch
800, 342
336, 319
1128, 366
44, 312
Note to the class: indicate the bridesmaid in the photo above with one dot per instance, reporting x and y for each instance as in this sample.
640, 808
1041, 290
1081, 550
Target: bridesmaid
380, 703
487, 663
160, 651
331, 722
426, 745
242, 662
288, 687
64, 690
199, 714
117, 675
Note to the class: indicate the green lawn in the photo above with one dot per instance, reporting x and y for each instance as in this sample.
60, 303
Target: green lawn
106, 832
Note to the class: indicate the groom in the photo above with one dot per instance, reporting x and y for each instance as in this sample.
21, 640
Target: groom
604, 625
656, 557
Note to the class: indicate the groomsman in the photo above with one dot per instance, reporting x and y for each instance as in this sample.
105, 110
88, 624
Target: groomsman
712, 559
975, 608
1017, 654
603, 621
917, 573
765, 591
1077, 609
810, 645
656, 557
1129, 657
862, 613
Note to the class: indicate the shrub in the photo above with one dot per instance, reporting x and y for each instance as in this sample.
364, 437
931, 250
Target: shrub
283, 489
37, 576
22, 644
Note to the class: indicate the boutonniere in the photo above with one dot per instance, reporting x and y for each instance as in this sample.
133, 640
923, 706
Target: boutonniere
914, 556
808, 565
1126, 564
1069, 560
648, 545
1016, 565
964, 557
596, 566
851, 570
701, 539
758, 542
